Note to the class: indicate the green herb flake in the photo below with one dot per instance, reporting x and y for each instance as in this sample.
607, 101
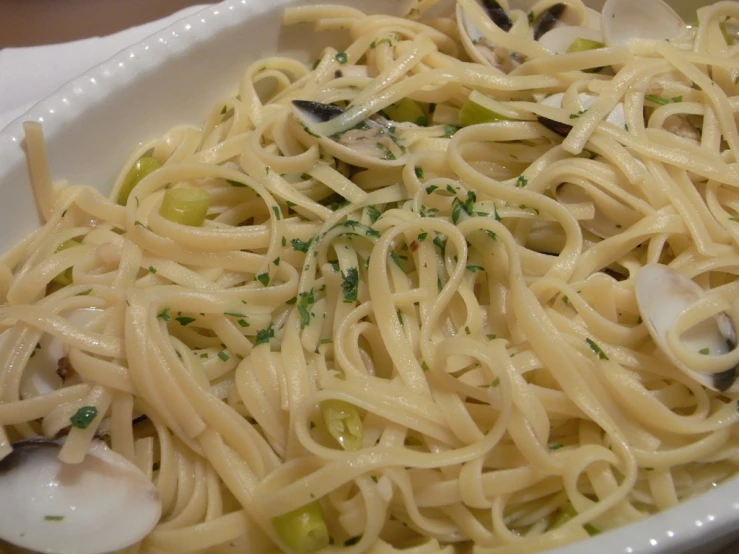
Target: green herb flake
422, 237
223, 356
419, 172
555, 446
164, 315
53, 518
305, 305
263, 278
522, 181
449, 130
704, 351
475, 268
300, 246
277, 213
84, 292
152, 269
341, 57
350, 284
431, 188
276, 261
184, 321
397, 259
83, 417
264, 335
597, 349
373, 213
661, 100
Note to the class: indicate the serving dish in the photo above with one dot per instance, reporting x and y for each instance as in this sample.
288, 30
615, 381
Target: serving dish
173, 77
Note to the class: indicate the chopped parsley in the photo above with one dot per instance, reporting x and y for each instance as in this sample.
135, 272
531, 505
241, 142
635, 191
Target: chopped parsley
53, 518
449, 130
522, 181
373, 213
341, 57
83, 417
597, 349
152, 269
164, 315
223, 356
419, 172
704, 351
475, 268
305, 305
300, 246
263, 278
350, 284
264, 335
184, 321
661, 100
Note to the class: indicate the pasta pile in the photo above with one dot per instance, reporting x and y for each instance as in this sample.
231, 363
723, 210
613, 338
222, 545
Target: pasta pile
394, 327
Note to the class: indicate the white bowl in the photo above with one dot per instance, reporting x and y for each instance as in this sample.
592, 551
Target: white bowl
173, 77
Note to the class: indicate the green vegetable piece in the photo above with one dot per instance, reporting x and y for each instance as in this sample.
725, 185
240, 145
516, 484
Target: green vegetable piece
303, 530
583, 45
185, 206
343, 423
83, 417
140, 169
405, 110
473, 113
65, 277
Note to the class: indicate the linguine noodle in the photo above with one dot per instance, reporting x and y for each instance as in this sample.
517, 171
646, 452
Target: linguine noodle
478, 326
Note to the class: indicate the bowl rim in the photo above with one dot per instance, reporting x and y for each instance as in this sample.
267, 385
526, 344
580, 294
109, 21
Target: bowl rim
711, 515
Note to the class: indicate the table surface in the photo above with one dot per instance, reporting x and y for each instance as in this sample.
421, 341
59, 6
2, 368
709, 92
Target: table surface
36, 22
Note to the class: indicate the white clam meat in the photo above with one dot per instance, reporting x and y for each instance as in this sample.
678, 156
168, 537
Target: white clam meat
101, 505
623, 20
662, 294
42, 373
371, 143
617, 115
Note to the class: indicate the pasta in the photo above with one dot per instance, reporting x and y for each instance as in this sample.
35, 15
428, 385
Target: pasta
388, 300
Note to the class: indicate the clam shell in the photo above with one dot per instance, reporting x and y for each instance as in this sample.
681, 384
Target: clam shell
662, 294
101, 505
623, 20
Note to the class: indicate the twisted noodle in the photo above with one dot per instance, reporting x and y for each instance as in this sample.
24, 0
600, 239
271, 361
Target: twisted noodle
511, 399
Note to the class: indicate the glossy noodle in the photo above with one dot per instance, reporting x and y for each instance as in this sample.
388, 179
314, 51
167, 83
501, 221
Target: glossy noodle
403, 309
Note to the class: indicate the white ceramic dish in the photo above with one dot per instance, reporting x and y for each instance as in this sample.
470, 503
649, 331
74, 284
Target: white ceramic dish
92, 123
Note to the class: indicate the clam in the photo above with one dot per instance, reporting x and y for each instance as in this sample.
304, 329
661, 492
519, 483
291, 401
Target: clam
101, 505
562, 39
601, 225
478, 47
623, 20
47, 369
617, 115
662, 294
371, 143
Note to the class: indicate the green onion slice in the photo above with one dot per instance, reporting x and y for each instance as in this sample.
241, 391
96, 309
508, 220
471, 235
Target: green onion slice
304, 530
343, 423
185, 206
140, 169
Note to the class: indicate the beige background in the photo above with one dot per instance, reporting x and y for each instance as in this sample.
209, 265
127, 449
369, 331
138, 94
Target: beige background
31, 22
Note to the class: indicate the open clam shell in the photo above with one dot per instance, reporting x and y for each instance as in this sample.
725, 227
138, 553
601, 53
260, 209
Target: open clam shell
101, 505
662, 294
372, 143
623, 20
